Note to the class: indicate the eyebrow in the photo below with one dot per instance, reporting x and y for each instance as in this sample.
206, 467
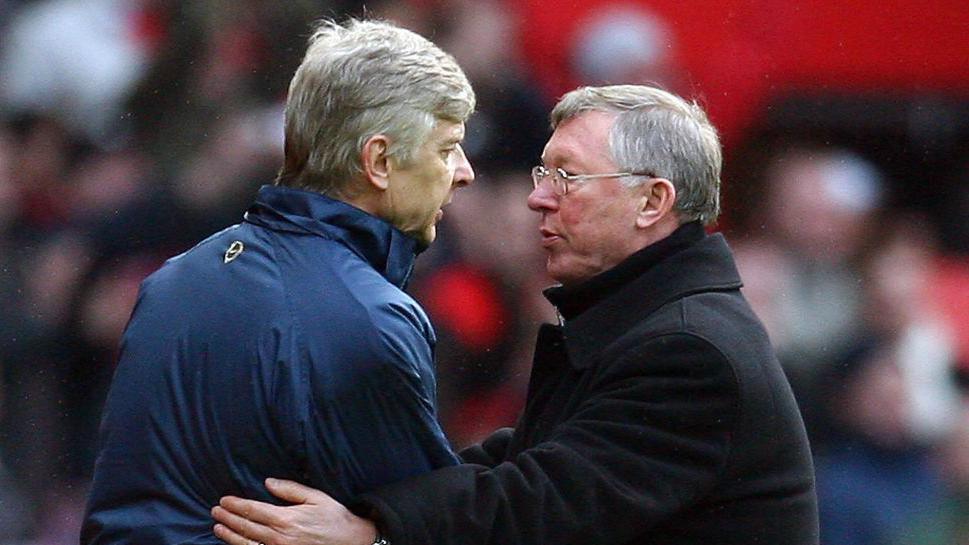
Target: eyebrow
560, 156
561, 162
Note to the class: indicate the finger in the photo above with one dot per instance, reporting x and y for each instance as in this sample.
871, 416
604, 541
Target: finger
227, 535
245, 528
257, 511
295, 492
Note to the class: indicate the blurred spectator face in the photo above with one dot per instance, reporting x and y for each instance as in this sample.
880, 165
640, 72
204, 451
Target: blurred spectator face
52, 274
240, 148
875, 402
955, 451
765, 275
44, 152
107, 181
512, 244
590, 229
105, 308
481, 38
820, 202
499, 201
9, 196
896, 277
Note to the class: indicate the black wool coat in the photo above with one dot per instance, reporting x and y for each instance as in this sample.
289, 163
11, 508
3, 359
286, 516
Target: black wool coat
657, 414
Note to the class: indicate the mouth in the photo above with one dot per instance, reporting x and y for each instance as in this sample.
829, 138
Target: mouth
549, 237
440, 211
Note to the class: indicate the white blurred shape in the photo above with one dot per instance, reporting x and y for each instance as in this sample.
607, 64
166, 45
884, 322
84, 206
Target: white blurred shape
620, 45
76, 59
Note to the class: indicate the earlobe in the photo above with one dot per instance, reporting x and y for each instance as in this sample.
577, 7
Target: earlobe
656, 202
376, 161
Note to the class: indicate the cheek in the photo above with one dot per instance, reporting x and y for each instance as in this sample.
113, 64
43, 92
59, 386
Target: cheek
441, 180
595, 229
572, 215
582, 222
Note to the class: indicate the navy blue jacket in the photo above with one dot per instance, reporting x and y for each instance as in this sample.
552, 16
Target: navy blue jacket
282, 346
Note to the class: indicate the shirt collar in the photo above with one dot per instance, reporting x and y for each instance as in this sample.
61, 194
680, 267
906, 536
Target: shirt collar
383, 246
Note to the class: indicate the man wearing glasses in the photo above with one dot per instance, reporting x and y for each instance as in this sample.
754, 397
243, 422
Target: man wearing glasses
656, 413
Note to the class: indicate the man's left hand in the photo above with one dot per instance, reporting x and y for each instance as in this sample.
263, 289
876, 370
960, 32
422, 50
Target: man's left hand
314, 519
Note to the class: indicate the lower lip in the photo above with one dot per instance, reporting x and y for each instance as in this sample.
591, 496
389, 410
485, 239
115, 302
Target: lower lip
549, 240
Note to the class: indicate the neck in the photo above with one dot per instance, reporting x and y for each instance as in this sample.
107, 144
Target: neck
368, 202
660, 230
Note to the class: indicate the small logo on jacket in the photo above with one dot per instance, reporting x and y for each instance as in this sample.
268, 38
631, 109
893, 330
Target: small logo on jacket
233, 252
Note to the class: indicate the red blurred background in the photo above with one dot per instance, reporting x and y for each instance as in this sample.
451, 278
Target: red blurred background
129, 130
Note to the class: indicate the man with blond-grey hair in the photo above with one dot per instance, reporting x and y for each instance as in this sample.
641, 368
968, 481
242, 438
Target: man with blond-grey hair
284, 345
657, 412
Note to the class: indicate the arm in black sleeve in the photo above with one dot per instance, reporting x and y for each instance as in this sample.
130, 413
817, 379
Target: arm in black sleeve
491, 451
651, 438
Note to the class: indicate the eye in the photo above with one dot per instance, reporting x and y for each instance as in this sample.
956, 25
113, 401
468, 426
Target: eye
564, 174
446, 153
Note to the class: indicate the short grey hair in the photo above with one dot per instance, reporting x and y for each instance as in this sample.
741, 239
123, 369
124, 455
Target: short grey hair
658, 132
359, 79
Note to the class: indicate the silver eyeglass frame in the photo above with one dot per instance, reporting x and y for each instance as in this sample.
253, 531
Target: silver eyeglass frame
561, 179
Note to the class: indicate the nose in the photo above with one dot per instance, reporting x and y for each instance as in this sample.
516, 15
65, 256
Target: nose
543, 198
463, 174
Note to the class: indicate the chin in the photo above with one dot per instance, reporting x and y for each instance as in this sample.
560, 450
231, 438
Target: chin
557, 274
567, 274
428, 236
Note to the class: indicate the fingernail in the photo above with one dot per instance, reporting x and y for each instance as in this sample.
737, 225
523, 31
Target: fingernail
271, 482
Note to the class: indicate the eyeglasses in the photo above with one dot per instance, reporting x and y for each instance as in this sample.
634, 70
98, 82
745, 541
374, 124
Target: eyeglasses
561, 179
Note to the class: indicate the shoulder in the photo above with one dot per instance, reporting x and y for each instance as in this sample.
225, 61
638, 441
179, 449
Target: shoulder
672, 347
233, 270
719, 324
677, 361
354, 324
402, 335
373, 343
354, 294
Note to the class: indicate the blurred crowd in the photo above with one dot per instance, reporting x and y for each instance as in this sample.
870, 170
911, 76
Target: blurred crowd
131, 129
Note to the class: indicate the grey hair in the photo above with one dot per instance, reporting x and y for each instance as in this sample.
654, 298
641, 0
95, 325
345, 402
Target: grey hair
658, 132
360, 79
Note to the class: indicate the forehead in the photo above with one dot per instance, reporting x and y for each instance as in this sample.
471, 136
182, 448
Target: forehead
584, 136
447, 131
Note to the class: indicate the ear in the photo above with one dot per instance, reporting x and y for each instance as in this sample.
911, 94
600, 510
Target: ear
376, 162
655, 202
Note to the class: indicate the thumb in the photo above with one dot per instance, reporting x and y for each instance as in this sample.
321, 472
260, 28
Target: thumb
293, 492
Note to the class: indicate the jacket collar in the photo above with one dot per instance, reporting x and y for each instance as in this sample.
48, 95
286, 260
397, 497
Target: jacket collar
677, 271
383, 246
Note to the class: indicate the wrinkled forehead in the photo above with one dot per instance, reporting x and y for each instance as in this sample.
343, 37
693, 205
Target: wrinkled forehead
446, 131
585, 135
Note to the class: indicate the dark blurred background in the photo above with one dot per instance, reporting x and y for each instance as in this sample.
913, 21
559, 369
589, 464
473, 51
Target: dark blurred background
131, 129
